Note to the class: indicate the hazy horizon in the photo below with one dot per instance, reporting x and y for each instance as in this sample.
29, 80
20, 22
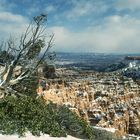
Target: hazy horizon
108, 53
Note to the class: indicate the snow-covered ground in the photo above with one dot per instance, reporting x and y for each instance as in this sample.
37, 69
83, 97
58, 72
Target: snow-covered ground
107, 129
31, 137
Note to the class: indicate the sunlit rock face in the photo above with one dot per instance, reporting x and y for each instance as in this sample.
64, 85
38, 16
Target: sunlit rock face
106, 100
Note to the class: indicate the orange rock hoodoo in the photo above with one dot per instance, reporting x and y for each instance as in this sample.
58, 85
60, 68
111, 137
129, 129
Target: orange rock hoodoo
107, 101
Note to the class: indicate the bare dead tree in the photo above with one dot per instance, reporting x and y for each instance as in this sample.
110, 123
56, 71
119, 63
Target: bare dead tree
29, 53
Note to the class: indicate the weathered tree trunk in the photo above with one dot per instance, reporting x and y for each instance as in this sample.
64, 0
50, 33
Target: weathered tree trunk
28, 43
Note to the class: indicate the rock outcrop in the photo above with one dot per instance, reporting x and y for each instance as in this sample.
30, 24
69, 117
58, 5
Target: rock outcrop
107, 100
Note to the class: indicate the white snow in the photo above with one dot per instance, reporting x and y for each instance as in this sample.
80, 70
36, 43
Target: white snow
107, 129
31, 137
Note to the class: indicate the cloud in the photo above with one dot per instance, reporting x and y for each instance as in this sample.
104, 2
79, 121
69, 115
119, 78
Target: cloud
86, 8
128, 4
80, 9
50, 9
117, 34
12, 24
5, 6
9, 17
113, 32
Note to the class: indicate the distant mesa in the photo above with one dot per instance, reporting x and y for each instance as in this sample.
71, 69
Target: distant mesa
132, 58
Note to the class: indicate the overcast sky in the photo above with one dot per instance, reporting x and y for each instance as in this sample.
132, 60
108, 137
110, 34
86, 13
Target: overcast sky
79, 25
